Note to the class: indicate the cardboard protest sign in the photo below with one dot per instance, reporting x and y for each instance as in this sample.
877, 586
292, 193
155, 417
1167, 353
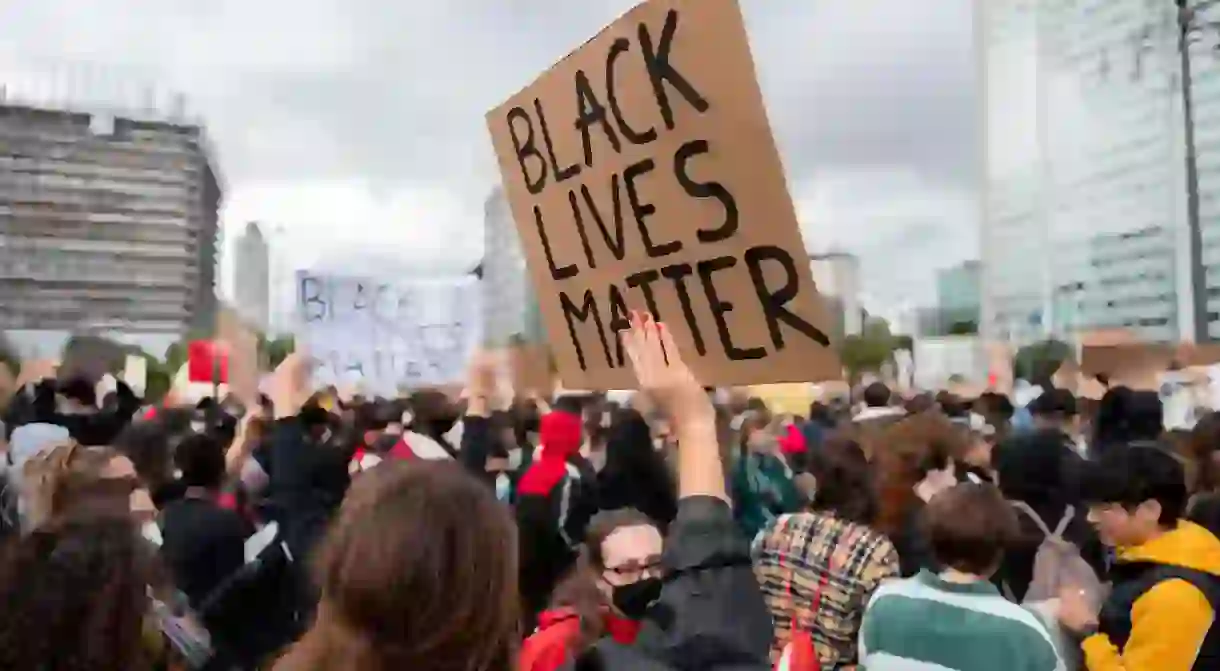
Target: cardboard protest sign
1127, 364
388, 332
242, 346
1197, 354
532, 369
642, 175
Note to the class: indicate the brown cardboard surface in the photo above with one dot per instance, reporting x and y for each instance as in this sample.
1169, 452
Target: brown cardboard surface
1134, 365
242, 344
1201, 354
681, 206
532, 369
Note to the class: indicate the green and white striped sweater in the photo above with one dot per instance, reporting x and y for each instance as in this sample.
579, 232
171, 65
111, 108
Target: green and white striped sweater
925, 623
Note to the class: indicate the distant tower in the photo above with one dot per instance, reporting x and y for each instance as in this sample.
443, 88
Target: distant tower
252, 277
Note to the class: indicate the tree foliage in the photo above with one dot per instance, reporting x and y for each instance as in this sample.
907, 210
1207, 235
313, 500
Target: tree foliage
869, 350
1037, 362
964, 327
272, 352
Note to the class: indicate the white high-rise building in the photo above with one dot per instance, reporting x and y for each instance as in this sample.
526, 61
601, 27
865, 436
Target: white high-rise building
837, 277
510, 304
252, 277
1084, 205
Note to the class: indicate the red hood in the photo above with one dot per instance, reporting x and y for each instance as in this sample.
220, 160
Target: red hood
793, 441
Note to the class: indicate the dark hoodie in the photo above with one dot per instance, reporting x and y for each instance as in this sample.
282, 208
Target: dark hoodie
635, 474
1042, 470
555, 500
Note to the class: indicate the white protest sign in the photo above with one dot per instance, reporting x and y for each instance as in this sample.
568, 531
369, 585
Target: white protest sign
388, 332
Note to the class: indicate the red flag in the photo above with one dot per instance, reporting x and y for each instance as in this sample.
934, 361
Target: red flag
203, 357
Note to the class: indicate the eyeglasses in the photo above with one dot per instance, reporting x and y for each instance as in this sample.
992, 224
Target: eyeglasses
632, 571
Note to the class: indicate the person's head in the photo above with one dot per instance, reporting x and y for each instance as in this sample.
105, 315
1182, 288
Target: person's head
919, 403
912, 459
1144, 416
968, 526
843, 481
560, 433
757, 405
1204, 447
433, 412
80, 586
201, 461
820, 413
997, 408
1056, 409
1035, 468
149, 444
71, 478
624, 547
619, 570
755, 436
952, 405
877, 395
1134, 494
629, 446
418, 570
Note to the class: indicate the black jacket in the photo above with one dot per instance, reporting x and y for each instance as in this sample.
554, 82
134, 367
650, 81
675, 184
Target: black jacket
37, 404
550, 527
711, 615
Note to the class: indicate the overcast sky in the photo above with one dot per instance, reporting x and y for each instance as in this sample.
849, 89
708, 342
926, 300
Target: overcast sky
358, 124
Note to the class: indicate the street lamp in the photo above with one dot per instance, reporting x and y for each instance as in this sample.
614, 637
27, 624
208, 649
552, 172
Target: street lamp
1198, 275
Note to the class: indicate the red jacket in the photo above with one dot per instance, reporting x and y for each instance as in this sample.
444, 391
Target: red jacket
547, 649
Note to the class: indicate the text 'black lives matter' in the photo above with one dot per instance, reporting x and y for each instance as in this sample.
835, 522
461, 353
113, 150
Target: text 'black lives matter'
605, 207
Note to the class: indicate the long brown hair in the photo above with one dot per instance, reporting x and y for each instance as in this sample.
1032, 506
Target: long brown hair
68, 477
579, 591
419, 571
905, 452
75, 596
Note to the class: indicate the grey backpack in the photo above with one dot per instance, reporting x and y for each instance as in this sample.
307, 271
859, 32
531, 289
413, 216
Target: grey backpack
1058, 563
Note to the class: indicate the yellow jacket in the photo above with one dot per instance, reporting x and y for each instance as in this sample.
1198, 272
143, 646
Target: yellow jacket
1169, 618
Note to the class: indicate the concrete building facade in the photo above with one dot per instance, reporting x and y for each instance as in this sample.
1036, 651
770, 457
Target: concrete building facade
837, 277
252, 277
108, 225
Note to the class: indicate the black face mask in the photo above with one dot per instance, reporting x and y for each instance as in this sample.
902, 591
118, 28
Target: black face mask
633, 600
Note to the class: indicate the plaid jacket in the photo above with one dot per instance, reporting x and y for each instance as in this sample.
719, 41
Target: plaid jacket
816, 556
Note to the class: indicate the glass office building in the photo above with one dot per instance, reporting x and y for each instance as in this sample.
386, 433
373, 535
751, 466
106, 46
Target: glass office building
1084, 205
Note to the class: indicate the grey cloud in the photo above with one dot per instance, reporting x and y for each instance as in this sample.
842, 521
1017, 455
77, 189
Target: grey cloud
395, 93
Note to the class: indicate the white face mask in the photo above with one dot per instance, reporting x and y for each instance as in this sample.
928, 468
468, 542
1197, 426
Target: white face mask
151, 532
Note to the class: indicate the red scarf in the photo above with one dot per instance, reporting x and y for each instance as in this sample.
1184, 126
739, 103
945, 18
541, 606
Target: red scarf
621, 629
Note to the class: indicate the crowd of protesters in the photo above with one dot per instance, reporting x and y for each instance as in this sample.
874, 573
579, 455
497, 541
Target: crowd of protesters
681, 530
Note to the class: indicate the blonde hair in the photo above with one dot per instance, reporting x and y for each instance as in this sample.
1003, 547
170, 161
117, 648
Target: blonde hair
59, 478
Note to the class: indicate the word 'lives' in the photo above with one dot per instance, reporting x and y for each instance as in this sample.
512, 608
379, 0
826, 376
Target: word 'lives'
603, 208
